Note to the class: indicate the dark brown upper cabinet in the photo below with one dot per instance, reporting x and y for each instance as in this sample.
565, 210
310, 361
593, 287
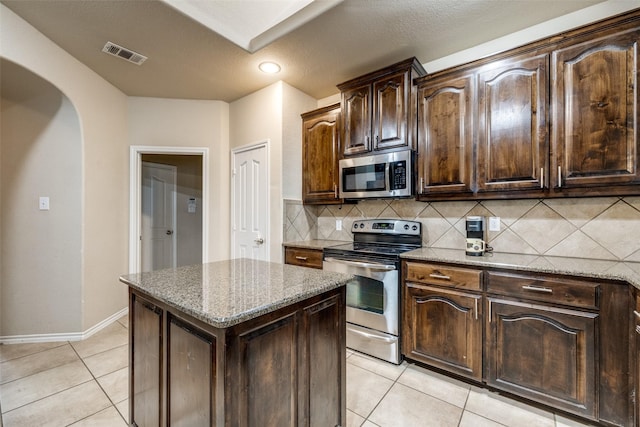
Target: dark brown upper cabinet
555, 118
378, 109
445, 140
596, 116
320, 155
513, 137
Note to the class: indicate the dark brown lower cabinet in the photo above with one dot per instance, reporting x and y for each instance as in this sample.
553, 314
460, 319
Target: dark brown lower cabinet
285, 368
444, 328
545, 353
560, 341
636, 355
145, 383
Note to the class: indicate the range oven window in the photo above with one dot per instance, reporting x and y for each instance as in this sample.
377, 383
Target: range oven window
366, 294
364, 178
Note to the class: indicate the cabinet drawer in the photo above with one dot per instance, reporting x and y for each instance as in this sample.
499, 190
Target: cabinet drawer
461, 278
554, 290
303, 257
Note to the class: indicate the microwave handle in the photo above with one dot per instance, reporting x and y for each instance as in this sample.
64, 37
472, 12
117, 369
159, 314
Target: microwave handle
388, 172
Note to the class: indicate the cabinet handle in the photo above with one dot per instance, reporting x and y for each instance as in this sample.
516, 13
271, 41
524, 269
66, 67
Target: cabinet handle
489, 311
421, 185
559, 176
541, 177
335, 190
636, 313
301, 258
638, 329
537, 289
439, 276
476, 307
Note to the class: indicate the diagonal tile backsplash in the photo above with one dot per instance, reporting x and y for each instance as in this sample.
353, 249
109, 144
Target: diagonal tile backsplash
597, 228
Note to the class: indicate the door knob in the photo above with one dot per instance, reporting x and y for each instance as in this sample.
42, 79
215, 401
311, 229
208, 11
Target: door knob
259, 240
169, 232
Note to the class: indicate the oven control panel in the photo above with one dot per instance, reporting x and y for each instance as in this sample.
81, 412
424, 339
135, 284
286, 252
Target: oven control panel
387, 226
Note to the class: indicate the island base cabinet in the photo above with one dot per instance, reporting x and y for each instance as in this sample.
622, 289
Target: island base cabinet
191, 368
145, 385
544, 353
284, 368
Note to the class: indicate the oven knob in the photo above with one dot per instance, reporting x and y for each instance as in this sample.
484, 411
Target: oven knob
361, 225
355, 225
406, 226
414, 228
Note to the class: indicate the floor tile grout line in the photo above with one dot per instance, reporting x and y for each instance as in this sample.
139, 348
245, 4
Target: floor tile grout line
47, 396
45, 370
101, 388
35, 352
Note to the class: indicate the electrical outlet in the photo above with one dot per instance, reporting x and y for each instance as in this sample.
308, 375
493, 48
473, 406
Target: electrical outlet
43, 203
338, 224
494, 223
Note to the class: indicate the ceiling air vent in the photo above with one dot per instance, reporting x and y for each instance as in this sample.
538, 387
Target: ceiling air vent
124, 53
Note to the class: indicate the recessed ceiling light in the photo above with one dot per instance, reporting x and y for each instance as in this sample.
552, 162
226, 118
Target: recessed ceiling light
269, 67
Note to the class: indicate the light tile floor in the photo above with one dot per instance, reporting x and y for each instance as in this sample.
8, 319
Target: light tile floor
85, 383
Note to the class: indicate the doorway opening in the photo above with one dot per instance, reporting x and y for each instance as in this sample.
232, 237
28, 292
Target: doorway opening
168, 207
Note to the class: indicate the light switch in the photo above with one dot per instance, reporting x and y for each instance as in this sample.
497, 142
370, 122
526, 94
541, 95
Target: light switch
44, 203
338, 224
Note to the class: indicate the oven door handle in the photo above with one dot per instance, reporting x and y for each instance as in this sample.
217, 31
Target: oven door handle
373, 266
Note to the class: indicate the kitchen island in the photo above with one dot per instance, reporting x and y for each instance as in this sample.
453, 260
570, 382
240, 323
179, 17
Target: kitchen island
237, 343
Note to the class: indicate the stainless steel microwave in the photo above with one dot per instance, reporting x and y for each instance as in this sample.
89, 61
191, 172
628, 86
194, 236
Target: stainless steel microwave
377, 176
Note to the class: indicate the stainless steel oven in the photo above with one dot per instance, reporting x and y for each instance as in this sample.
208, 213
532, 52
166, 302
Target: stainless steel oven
373, 296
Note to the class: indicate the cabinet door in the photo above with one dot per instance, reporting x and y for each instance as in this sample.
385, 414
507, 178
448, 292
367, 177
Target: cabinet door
265, 379
191, 357
390, 111
543, 353
356, 120
596, 112
445, 137
513, 149
145, 387
636, 356
443, 328
323, 364
320, 155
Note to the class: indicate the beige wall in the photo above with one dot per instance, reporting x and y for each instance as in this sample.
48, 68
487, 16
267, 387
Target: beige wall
188, 123
101, 111
273, 114
40, 250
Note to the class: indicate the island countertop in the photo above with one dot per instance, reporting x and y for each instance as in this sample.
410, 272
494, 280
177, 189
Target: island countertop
226, 293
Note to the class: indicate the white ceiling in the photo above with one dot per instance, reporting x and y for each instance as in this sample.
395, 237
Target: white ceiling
188, 60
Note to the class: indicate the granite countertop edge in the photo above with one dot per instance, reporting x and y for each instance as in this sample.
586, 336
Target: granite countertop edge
612, 270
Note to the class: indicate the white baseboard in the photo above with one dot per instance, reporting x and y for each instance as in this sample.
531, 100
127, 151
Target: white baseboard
71, 336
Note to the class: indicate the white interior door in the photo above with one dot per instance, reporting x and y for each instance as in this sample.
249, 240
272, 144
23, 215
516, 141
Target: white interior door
158, 220
249, 197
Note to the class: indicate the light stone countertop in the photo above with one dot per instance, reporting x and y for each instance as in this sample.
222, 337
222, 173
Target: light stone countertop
226, 293
580, 267
591, 268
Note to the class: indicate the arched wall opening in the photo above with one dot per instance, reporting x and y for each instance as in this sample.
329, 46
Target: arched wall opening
40, 250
